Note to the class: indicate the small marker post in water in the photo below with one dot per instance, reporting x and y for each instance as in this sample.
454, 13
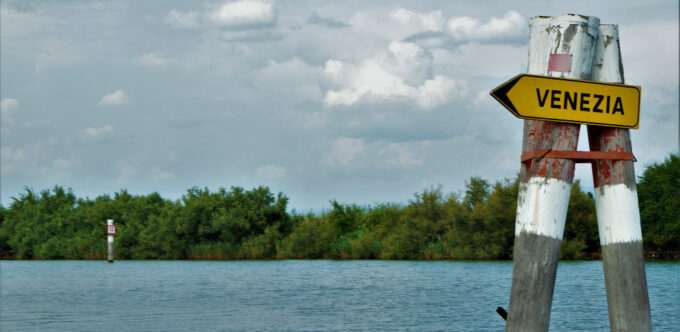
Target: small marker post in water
110, 232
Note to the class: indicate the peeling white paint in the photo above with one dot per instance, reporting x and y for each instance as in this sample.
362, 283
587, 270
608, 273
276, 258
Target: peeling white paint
542, 207
538, 45
564, 21
574, 35
607, 47
618, 214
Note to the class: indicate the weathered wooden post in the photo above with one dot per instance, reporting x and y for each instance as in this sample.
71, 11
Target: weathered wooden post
110, 232
560, 46
580, 76
618, 214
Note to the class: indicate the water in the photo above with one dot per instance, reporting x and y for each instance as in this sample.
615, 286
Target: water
301, 296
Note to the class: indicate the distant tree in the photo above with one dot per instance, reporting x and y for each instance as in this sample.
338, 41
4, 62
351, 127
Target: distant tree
33, 220
476, 192
345, 218
311, 238
419, 223
499, 220
659, 197
254, 224
580, 238
5, 249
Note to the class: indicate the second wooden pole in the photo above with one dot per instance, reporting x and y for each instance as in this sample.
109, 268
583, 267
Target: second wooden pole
618, 214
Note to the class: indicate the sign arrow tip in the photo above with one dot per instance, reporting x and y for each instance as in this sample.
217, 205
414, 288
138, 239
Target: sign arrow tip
501, 94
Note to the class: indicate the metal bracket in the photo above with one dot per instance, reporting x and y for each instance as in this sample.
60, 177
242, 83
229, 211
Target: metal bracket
578, 156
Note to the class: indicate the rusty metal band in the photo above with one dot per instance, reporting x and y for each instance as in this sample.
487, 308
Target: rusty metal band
578, 156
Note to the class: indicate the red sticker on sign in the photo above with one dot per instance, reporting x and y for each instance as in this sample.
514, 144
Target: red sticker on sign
559, 62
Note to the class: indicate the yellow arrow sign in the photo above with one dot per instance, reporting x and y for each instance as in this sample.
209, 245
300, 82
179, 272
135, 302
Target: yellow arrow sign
575, 101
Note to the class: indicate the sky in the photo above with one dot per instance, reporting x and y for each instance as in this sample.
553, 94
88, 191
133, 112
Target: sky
356, 101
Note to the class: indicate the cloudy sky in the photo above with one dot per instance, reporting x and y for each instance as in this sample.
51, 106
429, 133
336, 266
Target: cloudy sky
359, 101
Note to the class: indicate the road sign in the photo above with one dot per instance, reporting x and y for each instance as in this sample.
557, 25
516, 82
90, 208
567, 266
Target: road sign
110, 229
574, 101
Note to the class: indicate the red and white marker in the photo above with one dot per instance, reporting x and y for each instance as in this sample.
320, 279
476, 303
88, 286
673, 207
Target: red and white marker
110, 231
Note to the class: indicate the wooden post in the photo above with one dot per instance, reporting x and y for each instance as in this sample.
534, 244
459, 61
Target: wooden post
109, 222
618, 215
545, 184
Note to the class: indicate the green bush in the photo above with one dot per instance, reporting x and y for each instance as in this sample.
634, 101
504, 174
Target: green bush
254, 224
659, 196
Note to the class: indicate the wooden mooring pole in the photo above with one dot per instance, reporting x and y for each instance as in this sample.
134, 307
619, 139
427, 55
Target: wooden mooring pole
618, 214
545, 183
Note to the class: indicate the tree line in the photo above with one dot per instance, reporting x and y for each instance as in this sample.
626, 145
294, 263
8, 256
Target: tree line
254, 224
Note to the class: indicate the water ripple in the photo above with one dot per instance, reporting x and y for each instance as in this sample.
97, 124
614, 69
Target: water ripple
301, 296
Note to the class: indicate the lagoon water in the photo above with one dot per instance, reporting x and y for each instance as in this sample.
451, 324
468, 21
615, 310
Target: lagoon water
301, 296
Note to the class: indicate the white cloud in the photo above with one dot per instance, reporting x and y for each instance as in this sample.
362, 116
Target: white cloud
481, 97
377, 27
244, 14
93, 132
7, 154
402, 73
314, 18
180, 20
477, 59
437, 91
7, 107
271, 172
432, 29
431, 21
58, 52
404, 154
62, 163
333, 68
643, 67
409, 61
59, 169
160, 174
153, 60
125, 173
249, 36
292, 79
314, 120
117, 98
16, 23
510, 27
11, 153
20, 158
345, 150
